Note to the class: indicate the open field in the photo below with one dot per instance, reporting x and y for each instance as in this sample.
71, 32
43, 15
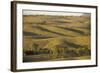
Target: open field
55, 38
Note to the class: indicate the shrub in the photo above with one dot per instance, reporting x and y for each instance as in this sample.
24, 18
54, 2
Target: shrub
84, 52
71, 53
28, 52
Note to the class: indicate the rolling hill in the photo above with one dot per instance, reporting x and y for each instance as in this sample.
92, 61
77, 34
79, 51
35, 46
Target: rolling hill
66, 37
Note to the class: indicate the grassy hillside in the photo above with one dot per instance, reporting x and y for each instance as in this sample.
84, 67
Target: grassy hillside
49, 38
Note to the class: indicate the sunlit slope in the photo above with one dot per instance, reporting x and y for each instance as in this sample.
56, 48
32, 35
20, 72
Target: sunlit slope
75, 42
52, 31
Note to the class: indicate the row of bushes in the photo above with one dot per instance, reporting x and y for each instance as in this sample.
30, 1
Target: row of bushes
65, 53
37, 52
78, 52
58, 52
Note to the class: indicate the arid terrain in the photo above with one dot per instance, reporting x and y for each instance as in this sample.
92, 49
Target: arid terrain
56, 38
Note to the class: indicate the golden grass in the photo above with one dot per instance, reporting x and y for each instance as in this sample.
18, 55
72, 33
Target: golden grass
59, 34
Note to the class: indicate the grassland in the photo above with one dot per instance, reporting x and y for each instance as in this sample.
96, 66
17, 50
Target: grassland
55, 38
